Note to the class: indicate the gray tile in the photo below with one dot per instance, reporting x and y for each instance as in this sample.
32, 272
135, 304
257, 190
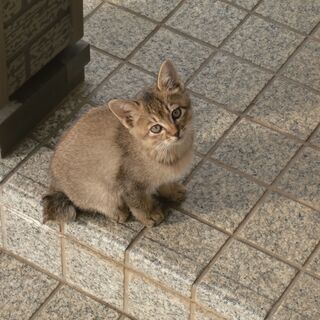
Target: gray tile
186, 55
34, 242
316, 33
57, 118
229, 81
264, 43
104, 235
316, 138
303, 178
23, 289
115, 30
211, 21
314, 265
99, 67
302, 301
208, 132
220, 196
69, 304
284, 227
302, 15
175, 260
201, 314
256, 150
244, 283
288, 107
154, 9
12, 160
305, 67
96, 275
147, 301
248, 4
126, 83
89, 6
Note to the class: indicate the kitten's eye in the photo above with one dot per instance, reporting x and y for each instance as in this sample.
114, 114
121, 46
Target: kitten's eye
176, 113
156, 128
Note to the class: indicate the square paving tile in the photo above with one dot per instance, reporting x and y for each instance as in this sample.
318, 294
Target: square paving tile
69, 304
302, 15
248, 4
305, 66
288, 107
314, 265
263, 43
220, 196
211, 21
256, 150
176, 251
8, 163
90, 272
302, 301
99, 67
208, 132
186, 54
147, 301
33, 241
303, 178
104, 235
126, 83
89, 6
154, 9
229, 81
284, 227
244, 283
17, 300
115, 30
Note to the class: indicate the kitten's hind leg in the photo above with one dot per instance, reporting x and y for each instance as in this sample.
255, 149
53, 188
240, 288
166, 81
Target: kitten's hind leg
174, 192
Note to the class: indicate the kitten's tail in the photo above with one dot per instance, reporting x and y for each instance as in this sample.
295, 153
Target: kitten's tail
58, 207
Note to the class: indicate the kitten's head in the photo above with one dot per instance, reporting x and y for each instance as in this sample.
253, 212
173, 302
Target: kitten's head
160, 117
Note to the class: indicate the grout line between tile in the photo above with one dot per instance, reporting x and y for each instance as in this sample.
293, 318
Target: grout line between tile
46, 301
85, 18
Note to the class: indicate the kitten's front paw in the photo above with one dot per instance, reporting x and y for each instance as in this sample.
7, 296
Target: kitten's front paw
174, 192
155, 218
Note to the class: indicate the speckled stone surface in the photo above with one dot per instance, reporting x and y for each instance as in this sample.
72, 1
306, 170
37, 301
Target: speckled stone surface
220, 196
303, 178
305, 67
256, 150
288, 107
316, 138
155, 9
69, 304
115, 30
99, 67
8, 163
316, 33
314, 265
23, 289
125, 83
244, 283
302, 302
57, 118
89, 6
264, 43
176, 251
147, 301
247, 4
208, 132
229, 81
92, 273
201, 314
211, 21
102, 234
33, 241
284, 227
302, 15
186, 55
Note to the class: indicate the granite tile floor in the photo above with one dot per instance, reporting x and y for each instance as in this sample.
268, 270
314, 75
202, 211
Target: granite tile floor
246, 243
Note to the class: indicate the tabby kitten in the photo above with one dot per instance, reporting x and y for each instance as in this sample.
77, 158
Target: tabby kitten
113, 160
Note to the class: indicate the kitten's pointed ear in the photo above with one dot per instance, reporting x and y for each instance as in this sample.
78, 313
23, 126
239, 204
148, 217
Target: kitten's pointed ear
168, 78
125, 110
